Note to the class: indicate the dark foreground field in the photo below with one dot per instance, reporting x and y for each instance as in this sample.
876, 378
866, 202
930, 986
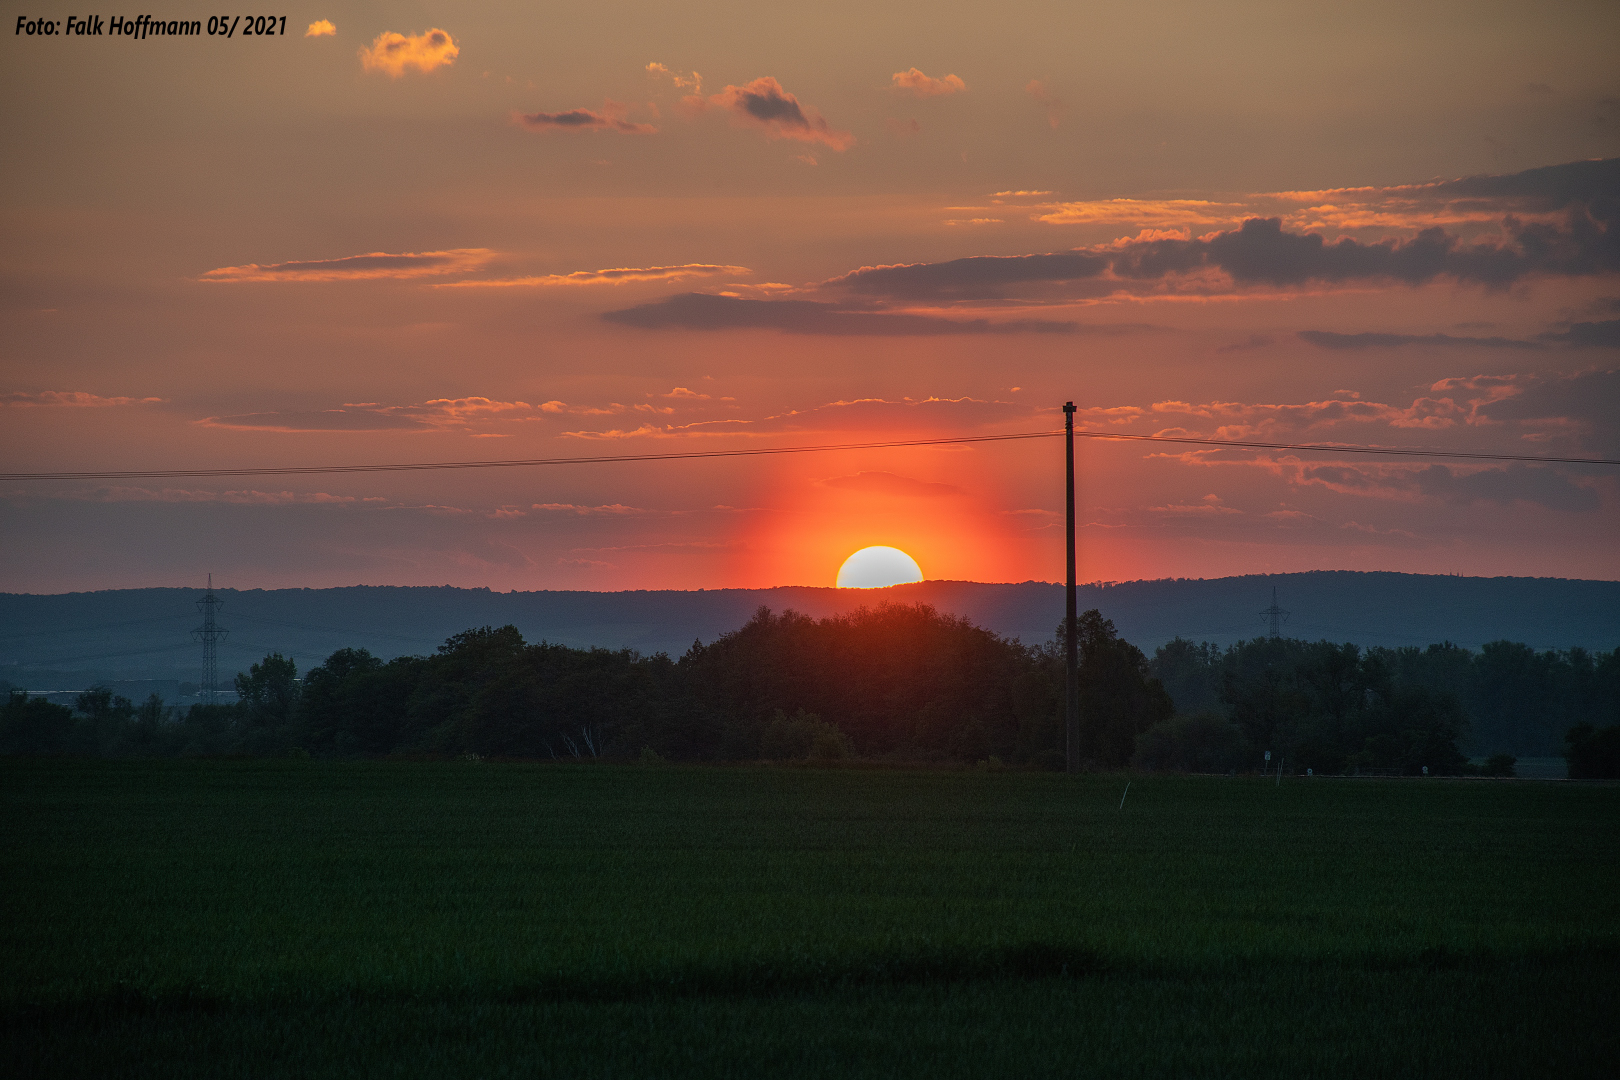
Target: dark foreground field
468, 919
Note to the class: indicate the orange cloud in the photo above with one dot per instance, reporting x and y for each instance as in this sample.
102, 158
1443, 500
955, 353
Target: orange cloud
1038, 90
614, 276
611, 117
693, 82
393, 53
693, 103
863, 415
1518, 407
1149, 212
320, 28
915, 82
1433, 484
612, 509
471, 408
1556, 221
1476, 206
378, 264
562, 407
77, 399
248, 496
438, 414
1208, 505
764, 103
1237, 420
728, 311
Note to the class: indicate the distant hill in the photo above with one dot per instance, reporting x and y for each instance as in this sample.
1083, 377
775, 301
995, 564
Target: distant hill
131, 634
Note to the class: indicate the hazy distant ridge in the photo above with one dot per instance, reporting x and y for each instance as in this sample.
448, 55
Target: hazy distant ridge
146, 631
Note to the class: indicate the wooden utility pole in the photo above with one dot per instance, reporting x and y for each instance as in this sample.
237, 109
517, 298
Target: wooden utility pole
1071, 621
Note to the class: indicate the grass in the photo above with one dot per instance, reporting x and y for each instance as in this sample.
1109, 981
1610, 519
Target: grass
446, 919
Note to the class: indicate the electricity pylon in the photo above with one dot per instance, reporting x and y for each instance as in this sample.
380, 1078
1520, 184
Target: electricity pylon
210, 634
1276, 614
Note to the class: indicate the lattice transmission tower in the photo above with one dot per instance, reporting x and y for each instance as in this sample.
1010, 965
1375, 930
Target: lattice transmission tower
1276, 614
210, 633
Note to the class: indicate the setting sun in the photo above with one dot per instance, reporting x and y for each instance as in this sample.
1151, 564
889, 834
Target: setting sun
876, 567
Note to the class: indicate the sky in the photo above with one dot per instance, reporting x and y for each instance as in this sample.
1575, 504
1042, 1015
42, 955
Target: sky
426, 232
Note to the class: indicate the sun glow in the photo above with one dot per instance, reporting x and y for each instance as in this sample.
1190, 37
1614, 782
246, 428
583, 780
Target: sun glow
876, 567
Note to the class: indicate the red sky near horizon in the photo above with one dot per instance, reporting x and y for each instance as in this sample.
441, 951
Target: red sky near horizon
455, 231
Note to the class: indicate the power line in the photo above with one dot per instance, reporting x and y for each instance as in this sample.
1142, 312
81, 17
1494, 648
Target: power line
1349, 448
422, 466
319, 470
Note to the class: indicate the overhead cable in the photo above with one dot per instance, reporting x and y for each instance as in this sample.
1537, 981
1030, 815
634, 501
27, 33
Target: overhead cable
688, 455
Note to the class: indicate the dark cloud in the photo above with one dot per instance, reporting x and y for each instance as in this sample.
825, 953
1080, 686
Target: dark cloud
1587, 404
1589, 335
1327, 339
1552, 187
980, 276
764, 102
1581, 335
610, 118
1515, 484
705, 311
1584, 241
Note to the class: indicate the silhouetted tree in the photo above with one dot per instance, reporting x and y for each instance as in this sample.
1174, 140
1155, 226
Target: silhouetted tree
104, 719
1119, 697
897, 680
1511, 700
349, 706
1262, 693
266, 698
1190, 674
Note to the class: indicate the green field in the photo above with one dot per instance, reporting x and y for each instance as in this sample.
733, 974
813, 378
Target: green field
476, 919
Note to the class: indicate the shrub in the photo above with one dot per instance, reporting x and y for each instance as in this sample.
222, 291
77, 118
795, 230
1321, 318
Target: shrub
802, 736
1593, 753
1203, 742
32, 725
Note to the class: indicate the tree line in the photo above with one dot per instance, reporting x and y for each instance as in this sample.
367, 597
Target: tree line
1332, 704
898, 683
